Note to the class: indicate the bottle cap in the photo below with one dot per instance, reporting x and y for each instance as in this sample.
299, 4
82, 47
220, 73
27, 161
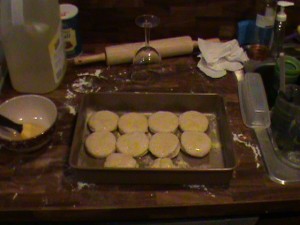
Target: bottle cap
281, 15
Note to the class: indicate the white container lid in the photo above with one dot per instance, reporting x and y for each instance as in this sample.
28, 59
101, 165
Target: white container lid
67, 11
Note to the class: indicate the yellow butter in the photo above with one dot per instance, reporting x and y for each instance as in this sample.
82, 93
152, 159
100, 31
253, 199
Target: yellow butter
31, 130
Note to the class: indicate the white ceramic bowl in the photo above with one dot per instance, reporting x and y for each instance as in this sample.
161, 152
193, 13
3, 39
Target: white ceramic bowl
34, 109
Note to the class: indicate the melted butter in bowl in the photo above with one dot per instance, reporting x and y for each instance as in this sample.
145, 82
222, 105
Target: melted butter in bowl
30, 130
38, 115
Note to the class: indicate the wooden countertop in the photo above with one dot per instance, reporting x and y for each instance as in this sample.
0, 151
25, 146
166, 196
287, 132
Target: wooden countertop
40, 186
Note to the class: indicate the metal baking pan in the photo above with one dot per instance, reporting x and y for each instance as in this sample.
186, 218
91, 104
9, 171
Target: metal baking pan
214, 169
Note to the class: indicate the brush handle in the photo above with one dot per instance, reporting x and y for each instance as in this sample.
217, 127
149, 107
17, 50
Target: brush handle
5, 122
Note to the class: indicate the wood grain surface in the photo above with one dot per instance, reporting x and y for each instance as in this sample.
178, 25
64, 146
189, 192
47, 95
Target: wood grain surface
40, 186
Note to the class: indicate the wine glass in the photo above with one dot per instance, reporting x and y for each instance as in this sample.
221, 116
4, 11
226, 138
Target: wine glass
147, 58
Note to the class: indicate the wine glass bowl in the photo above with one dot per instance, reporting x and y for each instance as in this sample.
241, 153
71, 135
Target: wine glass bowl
147, 57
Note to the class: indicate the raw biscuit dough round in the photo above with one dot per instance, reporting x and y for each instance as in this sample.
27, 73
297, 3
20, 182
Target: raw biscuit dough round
197, 144
134, 144
100, 144
163, 121
165, 163
175, 153
193, 121
120, 160
164, 145
133, 122
103, 120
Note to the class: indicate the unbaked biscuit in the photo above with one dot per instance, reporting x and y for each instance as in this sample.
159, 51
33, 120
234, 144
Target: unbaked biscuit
163, 121
164, 145
163, 163
100, 144
175, 152
133, 122
193, 121
120, 160
134, 144
103, 120
197, 144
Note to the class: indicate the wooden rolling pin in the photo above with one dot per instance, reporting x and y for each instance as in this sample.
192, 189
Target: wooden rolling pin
124, 53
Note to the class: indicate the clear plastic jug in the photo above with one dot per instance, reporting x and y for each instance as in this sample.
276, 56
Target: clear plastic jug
33, 44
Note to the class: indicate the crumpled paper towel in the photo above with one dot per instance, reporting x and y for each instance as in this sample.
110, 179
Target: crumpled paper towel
217, 57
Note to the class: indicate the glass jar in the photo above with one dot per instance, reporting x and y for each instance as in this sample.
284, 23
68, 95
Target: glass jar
285, 124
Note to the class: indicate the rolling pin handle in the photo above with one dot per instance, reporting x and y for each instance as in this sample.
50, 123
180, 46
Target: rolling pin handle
82, 60
196, 45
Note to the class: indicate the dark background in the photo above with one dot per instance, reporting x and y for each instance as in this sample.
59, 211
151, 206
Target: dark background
112, 21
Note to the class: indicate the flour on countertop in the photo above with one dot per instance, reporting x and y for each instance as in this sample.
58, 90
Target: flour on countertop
84, 85
240, 138
97, 73
86, 82
201, 187
15, 196
83, 74
71, 109
81, 185
70, 94
45, 201
60, 133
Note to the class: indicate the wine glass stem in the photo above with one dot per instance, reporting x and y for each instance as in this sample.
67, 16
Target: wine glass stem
147, 36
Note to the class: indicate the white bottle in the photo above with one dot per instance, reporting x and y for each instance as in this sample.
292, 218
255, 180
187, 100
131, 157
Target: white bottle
33, 44
264, 23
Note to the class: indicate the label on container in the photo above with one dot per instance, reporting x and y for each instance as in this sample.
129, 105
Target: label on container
70, 39
69, 16
264, 21
57, 55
